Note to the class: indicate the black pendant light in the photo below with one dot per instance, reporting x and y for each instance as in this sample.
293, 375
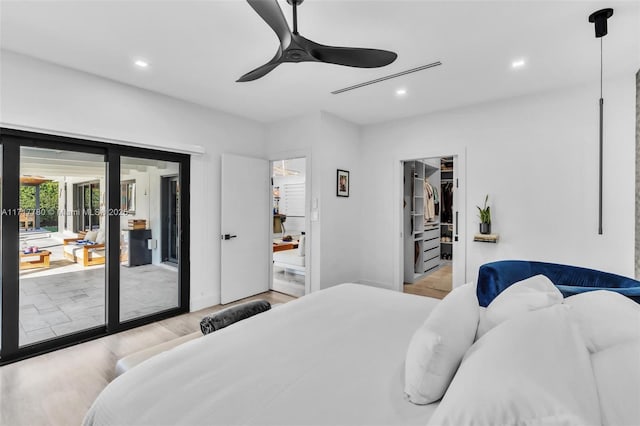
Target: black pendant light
599, 19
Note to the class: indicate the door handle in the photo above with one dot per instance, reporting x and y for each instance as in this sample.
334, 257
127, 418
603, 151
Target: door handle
456, 237
228, 236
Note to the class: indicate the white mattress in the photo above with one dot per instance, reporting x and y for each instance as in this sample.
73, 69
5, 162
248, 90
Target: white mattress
335, 357
289, 257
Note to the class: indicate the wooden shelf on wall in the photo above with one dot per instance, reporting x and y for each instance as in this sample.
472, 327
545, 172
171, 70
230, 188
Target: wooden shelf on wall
486, 238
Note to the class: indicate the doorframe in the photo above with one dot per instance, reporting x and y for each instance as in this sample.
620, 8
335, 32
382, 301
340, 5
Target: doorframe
165, 185
12, 140
459, 267
308, 252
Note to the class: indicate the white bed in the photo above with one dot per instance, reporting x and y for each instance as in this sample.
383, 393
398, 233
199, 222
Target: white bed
349, 354
293, 259
289, 259
332, 357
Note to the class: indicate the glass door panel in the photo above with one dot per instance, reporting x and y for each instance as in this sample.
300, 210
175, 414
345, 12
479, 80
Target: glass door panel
149, 282
62, 245
1, 178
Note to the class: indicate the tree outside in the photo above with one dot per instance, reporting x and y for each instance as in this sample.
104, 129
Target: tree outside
48, 203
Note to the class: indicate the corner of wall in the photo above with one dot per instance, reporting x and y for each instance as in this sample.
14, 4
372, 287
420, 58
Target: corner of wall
638, 174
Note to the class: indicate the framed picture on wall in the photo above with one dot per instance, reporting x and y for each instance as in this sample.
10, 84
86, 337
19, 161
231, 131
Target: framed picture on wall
342, 189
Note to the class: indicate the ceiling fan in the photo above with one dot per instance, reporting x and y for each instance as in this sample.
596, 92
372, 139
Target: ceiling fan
295, 48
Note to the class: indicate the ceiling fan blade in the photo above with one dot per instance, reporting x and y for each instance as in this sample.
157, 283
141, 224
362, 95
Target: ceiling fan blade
271, 13
258, 72
263, 70
353, 56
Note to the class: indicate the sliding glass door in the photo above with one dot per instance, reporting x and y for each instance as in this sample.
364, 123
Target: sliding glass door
61, 269
148, 284
1, 238
87, 203
82, 234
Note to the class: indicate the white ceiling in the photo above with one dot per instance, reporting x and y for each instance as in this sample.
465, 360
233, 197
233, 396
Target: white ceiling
197, 49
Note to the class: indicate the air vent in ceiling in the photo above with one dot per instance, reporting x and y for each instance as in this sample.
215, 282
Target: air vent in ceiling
388, 77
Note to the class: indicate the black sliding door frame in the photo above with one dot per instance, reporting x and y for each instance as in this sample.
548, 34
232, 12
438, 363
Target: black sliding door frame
11, 141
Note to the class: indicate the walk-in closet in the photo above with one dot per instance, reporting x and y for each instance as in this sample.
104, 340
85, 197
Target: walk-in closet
429, 218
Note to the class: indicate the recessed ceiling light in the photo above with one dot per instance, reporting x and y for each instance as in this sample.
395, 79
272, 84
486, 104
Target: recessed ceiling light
401, 92
518, 63
141, 63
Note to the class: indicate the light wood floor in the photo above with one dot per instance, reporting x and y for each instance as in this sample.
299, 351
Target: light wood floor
58, 388
437, 284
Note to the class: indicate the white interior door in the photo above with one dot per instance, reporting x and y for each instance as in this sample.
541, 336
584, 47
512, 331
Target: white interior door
245, 250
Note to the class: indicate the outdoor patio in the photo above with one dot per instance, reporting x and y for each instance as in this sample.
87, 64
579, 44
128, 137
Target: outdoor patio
67, 297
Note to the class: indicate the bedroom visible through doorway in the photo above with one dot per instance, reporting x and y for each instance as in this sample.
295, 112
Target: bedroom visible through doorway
288, 187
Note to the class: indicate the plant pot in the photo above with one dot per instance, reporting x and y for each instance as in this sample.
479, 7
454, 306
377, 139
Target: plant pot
485, 228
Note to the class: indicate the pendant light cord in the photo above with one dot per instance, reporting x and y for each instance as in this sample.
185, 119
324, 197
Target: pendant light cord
600, 166
601, 67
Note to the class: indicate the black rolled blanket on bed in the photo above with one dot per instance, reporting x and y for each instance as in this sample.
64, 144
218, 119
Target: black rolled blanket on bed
228, 316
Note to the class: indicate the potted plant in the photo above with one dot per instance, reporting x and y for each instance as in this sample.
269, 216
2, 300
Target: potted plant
485, 217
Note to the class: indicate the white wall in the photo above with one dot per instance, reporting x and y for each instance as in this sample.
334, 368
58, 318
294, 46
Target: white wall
537, 158
339, 148
38, 94
329, 143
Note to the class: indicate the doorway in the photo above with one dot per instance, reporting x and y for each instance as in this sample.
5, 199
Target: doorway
432, 248
170, 219
288, 195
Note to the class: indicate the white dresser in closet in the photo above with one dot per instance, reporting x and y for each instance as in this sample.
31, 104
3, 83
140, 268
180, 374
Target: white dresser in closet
431, 247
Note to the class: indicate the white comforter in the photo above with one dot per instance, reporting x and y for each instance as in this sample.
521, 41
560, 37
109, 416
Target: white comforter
335, 357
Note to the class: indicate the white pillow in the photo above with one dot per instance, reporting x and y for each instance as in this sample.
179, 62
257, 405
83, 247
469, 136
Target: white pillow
531, 370
437, 347
605, 318
301, 244
535, 292
100, 237
91, 236
617, 373
484, 324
